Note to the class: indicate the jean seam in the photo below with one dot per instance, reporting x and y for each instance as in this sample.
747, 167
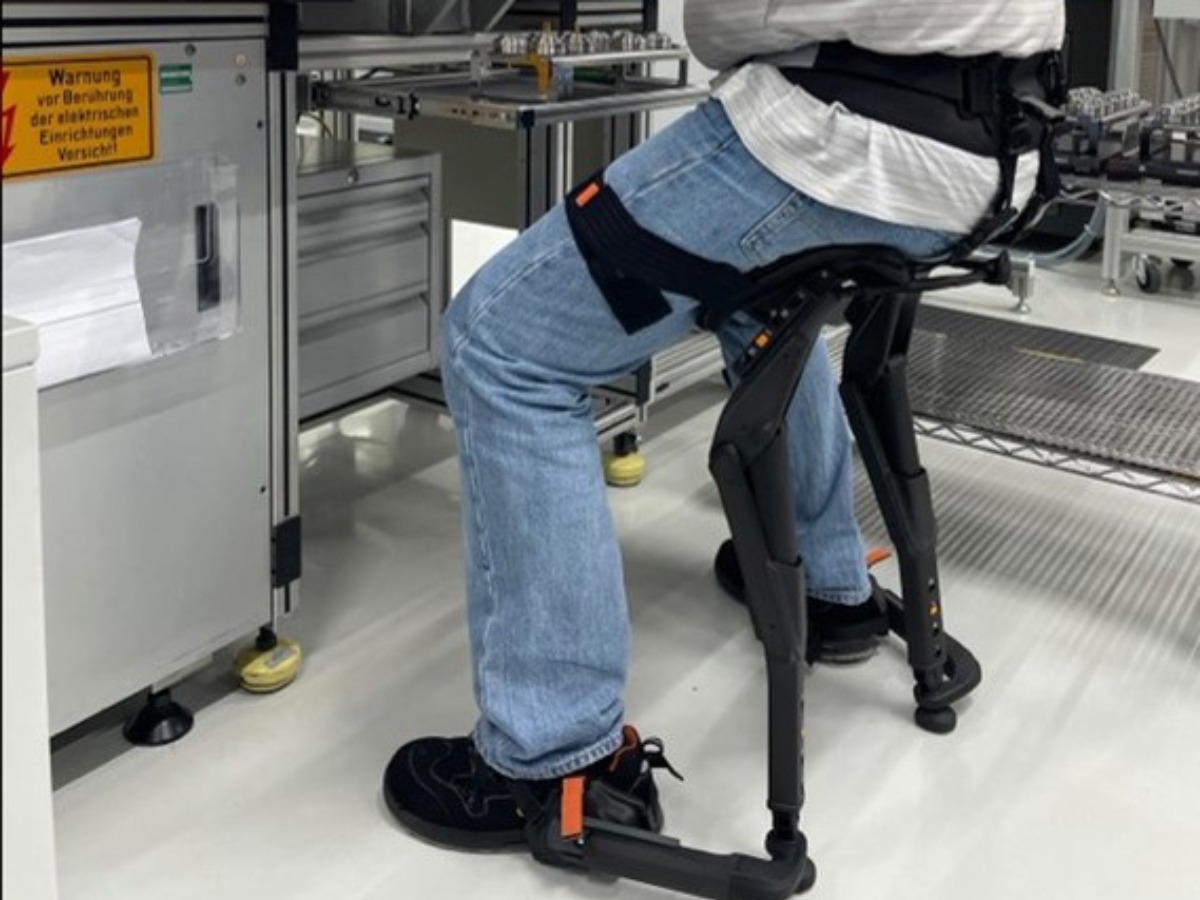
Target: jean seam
841, 598
570, 765
485, 561
681, 168
486, 304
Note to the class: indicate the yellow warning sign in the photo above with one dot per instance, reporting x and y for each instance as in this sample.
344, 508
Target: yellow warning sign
77, 112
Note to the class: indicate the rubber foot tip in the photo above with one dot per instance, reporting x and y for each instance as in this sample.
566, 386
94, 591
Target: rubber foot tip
936, 721
809, 878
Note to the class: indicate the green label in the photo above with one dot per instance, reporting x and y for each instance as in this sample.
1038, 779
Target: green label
175, 78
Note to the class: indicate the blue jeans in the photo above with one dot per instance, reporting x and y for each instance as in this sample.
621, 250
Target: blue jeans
523, 344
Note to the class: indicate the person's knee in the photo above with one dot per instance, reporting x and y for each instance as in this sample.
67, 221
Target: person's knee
461, 375
455, 319
476, 356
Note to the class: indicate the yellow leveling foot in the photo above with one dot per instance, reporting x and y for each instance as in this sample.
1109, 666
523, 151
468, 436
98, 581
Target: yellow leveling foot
266, 671
625, 471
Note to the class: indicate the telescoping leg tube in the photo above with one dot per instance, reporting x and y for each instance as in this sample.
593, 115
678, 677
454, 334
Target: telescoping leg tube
749, 462
875, 394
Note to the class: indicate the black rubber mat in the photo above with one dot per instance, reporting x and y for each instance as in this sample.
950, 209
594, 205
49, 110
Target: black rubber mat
1072, 393
963, 326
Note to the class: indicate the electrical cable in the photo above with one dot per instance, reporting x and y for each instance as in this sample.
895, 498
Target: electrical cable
1073, 249
324, 125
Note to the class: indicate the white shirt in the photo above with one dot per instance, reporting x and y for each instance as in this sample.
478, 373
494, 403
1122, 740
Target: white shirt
839, 157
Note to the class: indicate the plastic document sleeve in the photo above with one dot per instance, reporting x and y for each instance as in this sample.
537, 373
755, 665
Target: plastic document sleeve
156, 275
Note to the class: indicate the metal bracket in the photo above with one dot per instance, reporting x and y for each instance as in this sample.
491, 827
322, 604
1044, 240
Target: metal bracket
285, 552
283, 41
1022, 283
366, 98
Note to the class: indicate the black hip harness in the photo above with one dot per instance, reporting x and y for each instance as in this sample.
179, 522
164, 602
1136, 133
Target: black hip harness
986, 105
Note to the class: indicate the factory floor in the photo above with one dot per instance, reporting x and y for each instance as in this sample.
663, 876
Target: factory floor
1074, 772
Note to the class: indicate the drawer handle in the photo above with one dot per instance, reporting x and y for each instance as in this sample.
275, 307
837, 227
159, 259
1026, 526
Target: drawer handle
208, 257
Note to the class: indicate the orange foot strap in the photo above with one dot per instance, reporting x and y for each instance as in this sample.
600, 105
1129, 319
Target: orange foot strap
876, 555
572, 807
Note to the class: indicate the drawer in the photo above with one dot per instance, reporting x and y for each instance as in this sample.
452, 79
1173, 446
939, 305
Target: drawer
341, 216
342, 285
358, 246
364, 349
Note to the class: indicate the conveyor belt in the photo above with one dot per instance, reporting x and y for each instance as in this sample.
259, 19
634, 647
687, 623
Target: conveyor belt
1079, 396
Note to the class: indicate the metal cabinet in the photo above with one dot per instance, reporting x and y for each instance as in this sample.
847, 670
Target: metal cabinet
160, 478
370, 270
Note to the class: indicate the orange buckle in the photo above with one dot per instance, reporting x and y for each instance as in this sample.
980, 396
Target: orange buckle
572, 807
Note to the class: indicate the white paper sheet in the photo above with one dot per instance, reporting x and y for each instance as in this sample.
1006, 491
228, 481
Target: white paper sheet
80, 288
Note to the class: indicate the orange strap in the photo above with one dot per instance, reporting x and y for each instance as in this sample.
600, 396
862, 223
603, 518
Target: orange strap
572, 807
876, 555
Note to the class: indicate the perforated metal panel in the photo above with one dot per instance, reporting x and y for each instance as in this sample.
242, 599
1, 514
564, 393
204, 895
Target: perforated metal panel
1077, 395
963, 326
1100, 411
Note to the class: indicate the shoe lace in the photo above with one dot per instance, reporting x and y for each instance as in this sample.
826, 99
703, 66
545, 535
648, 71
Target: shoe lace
655, 758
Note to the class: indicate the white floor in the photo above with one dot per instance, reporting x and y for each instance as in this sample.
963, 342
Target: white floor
1075, 771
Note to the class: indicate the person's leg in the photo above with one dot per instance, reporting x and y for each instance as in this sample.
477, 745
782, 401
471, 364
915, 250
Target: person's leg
523, 344
831, 545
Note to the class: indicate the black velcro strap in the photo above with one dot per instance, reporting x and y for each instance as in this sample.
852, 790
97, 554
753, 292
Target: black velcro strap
960, 101
633, 266
968, 82
895, 104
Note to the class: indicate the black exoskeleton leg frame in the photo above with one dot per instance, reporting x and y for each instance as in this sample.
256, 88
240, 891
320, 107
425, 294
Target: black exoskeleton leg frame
877, 289
875, 394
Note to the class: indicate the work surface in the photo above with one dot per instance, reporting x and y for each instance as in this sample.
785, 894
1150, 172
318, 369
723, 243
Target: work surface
1072, 774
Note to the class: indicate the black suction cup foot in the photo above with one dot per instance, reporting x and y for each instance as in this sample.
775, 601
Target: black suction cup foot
937, 721
809, 878
161, 721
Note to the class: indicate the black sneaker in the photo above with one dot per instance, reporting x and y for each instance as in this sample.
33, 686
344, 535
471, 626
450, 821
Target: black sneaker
836, 633
442, 790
